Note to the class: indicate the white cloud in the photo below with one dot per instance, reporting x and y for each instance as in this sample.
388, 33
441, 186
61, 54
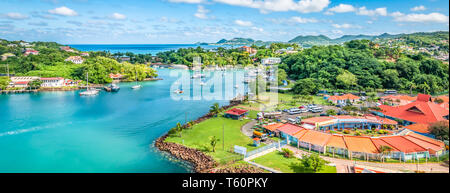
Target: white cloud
345, 26
118, 16
63, 11
419, 8
265, 6
186, 1
303, 20
422, 18
243, 23
258, 29
382, 11
342, 8
15, 16
201, 12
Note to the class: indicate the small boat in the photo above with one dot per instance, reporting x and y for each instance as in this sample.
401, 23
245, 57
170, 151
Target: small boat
178, 91
137, 86
112, 88
89, 91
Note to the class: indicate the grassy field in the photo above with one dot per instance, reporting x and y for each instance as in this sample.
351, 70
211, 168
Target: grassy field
198, 137
285, 101
277, 161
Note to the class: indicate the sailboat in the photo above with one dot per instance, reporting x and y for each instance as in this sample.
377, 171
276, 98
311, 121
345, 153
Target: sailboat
89, 91
137, 86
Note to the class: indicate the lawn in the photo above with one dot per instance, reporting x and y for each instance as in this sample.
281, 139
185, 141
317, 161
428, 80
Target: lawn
277, 161
198, 137
284, 101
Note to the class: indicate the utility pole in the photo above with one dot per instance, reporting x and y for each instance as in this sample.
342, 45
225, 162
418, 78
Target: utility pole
223, 136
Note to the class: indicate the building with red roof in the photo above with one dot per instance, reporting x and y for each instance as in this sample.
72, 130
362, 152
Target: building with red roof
395, 100
340, 122
250, 50
404, 146
236, 113
336, 99
423, 110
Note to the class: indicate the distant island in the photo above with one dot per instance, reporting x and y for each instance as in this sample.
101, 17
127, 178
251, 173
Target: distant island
311, 40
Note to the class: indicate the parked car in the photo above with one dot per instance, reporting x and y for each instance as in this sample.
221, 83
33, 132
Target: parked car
291, 120
317, 110
323, 114
294, 111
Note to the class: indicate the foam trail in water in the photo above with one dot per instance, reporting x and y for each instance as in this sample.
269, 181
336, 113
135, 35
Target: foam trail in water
16, 132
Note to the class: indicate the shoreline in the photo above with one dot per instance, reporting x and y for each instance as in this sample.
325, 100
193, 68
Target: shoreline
201, 162
65, 89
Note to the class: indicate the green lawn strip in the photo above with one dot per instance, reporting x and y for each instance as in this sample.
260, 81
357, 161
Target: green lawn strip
277, 161
198, 137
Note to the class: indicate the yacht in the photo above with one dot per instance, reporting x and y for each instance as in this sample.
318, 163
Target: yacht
137, 86
89, 91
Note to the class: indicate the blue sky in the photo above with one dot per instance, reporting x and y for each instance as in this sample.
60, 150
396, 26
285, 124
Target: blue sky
189, 21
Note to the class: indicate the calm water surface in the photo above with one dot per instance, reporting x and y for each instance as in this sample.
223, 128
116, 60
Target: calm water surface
111, 132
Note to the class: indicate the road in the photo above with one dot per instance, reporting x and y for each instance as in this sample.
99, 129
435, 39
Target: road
343, 164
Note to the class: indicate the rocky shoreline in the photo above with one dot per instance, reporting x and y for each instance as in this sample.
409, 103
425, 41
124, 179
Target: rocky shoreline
201, 162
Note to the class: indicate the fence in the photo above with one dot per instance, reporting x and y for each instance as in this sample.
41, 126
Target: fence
265, 148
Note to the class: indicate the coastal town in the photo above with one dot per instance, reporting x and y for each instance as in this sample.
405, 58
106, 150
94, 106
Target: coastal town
343, 130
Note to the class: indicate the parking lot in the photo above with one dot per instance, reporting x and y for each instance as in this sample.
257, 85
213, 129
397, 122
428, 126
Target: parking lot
286, 115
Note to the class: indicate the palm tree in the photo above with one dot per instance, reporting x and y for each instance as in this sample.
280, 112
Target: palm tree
215, 109
411, 85
385, 150
213, 141
179, 128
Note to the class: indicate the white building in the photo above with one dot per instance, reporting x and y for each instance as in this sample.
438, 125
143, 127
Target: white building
75, 59
270, 61
52, 82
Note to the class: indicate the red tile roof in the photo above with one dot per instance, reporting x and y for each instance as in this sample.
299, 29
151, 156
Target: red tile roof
418, 127
290, 129
315, 137
420, 111
22, 82
337, 141
236, 111
360, 144
273, 127
343, 97
403, 144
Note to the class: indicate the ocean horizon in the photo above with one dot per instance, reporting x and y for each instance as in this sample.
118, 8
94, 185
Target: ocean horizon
152, 49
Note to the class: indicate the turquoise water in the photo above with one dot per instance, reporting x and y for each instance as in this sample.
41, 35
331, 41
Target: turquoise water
111, 132
140, 48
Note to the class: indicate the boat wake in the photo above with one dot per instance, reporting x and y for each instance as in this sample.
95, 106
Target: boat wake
20, 131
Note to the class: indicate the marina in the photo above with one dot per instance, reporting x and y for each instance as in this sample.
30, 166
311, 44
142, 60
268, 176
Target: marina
111, 132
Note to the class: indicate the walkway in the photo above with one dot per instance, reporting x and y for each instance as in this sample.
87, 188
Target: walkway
247, 128
264, 167
343, 164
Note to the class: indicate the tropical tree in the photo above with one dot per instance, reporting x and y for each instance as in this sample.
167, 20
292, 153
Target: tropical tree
440, 130
215, 109
35, 84
213, 142
313, 162
385, 150
4, 82
179, 128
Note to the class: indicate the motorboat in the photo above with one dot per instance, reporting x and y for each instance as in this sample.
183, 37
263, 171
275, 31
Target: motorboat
112, 88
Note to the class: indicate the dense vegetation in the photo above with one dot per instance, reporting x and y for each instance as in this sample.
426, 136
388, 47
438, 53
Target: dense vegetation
50, 63
355, 67
221, 56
